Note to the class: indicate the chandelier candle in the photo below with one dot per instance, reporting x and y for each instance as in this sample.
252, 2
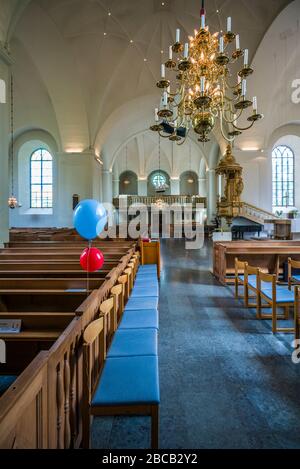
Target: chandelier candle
186, 50
202, 84
199, 86
221, 45
244, 88
202, 21
255, 105
229, 24
165, 99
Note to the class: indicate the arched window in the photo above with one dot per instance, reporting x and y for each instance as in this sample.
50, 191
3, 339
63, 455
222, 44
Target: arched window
41, 179
158, 179
283, 177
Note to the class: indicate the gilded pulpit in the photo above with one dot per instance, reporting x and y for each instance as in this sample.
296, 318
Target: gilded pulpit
230, 204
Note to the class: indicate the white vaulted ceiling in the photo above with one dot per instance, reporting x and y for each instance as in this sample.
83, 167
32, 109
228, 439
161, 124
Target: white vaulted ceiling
97, 61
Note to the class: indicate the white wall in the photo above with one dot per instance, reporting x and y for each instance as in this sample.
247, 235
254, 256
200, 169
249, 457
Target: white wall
72, 174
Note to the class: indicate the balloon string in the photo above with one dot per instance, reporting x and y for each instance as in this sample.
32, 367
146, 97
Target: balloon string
88, 271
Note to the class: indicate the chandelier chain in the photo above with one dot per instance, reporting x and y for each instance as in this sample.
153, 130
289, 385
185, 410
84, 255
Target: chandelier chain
12, 149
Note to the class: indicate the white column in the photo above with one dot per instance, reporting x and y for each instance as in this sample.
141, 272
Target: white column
116, 186
107, 186
143, 187
96, 177
175, 186
212, 194
4, 145
202, 190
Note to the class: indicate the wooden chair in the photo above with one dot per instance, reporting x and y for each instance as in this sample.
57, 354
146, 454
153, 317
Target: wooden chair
117, 292
251, 274
108, 312
293, 279
117, 386
275, 296
129, 272
239, 278
123, 280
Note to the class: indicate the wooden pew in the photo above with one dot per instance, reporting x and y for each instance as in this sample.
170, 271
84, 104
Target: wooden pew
52, 274
61, 420
50, 265
24, 408
268, 255
49, 284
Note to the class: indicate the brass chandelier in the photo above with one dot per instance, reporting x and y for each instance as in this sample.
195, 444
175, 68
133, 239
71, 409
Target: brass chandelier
199, 90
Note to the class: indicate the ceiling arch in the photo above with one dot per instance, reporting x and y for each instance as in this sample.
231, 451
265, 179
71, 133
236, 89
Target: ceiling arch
99, 59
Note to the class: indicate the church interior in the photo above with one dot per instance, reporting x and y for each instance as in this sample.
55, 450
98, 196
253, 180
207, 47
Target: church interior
126, 129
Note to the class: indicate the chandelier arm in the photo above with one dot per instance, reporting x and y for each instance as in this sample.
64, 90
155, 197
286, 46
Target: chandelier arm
229, 139
232, 121
184, 140
245, 128
163, 136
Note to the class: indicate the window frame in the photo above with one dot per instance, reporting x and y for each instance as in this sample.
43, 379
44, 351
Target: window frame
41, 185
276, 181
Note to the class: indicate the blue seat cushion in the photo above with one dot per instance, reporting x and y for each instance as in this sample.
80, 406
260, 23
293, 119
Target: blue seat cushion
147, 275
144, 291
150, 302
251, 279
5, 382
283, 294
148, 268
141, 319
296, 278
141, 282
128, 381
133, 342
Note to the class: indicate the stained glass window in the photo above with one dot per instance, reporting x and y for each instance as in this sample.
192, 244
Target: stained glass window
158, 180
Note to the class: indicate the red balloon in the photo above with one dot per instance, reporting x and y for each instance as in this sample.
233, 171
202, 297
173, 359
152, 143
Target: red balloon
91, 259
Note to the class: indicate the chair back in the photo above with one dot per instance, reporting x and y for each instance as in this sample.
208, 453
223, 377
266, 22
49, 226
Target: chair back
94, 348
117, 292
129, 273
239, 266
123, 280
250, 270
292, 265
107, 311
267, 278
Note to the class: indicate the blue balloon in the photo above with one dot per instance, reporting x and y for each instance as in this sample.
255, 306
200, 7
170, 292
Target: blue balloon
90, 218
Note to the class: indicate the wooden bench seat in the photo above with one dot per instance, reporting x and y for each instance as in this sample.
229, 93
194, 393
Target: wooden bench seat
50, 265
50, 284
41, 300
25, 274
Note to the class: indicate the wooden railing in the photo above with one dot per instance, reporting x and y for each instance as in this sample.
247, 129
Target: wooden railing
256, 214
166, 199
24, 408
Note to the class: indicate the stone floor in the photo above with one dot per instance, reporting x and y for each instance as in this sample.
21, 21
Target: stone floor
226, 381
